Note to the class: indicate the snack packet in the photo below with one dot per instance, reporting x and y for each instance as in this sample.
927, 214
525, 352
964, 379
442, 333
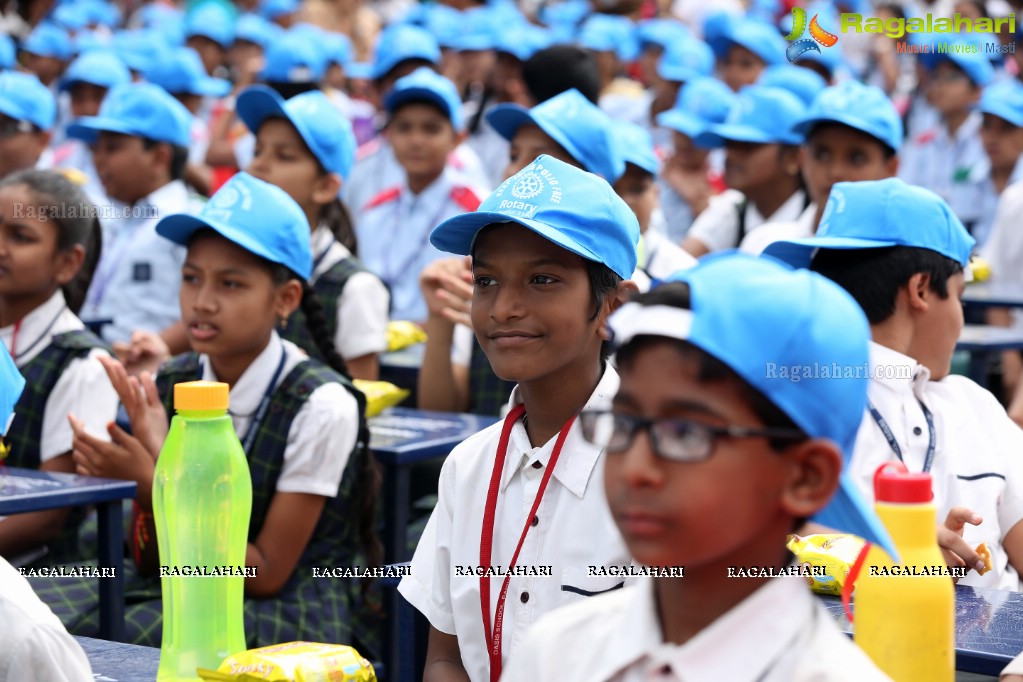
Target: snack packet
401, 334
835, 553
294, 662
380, 395
985, 554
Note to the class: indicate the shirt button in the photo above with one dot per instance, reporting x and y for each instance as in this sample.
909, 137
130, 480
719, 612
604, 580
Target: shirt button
524, 597
537, 465
917, 430
536, 521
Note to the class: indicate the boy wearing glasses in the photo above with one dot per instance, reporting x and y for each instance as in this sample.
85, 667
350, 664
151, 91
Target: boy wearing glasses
712, 460
27, 112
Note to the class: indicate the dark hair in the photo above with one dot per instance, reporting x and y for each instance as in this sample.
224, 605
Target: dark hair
424, 101
179, 157
886, 150
874, 276
402, 68
558, 68
709, 368
288, 90
66, 205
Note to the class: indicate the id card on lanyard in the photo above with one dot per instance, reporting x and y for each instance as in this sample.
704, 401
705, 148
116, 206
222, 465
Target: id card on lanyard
494, 635
889, 436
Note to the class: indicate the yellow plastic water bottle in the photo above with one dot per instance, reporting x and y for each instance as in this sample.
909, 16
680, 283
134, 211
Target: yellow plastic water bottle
906, 622
202, 500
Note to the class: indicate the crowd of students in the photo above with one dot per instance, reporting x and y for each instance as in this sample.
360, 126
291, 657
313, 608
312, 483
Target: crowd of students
610, 221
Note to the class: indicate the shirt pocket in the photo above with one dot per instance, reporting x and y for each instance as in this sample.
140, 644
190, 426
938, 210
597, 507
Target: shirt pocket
576, 584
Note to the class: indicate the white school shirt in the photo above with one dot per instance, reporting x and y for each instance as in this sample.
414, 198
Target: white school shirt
74, 153
661, 257
321, 436
718, 226
36, 646
139, 272
802, 228
947, 165
394, 236
575, 530
987, 199
363, 305
83, 389
1004, 247
977, 459
489, 146
779, 633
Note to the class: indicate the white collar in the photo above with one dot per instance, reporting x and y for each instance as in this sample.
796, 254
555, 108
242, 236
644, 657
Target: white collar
173, 197
790, 211
248, 391
768, 623
896, 371
578, 457
48, 319
323, 238
435, 193
968, 130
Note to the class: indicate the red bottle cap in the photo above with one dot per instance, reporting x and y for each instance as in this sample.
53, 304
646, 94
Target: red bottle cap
894, 483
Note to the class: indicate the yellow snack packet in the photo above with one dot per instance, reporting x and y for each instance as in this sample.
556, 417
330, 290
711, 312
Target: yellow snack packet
401, 334
981, 269
380, 395
294, 662
830, 558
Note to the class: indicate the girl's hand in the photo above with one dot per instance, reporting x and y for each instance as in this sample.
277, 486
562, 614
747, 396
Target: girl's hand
142, 403
144, 353
447, 288
124, 458
958, 552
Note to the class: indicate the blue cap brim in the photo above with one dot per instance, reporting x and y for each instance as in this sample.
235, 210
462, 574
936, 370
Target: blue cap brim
506, 119
800, 252
257, 103
849, 513
685, 123
179, 229
396, 98
212, 87
359, 71
678, 74
88, 128
11, 112
1003, 111
854, 122
719, 134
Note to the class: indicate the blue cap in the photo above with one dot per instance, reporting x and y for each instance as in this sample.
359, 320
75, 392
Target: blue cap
293, 58
760, 115
11, 386
48, 40
24, 98
442, 21
522, 42
8, 53
359, 71
273, 9
157, 14
426, 85
338, 48
572, 208
701, 103
686, 60
70, 16
138, 109
211, 20
637, 146
753, 314
328, 135
803, 83
402, 42
609, 33
569, 13
255, 29
182, 73
863, 107
830, 59
975, 65
1004, 99
98, 67
575, 123
102, 13
877, 214
257, 216
91, 41
479, 30
661, 32
760, 38
141, 49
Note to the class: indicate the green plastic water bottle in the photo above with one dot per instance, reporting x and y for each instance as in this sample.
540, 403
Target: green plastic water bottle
202, 500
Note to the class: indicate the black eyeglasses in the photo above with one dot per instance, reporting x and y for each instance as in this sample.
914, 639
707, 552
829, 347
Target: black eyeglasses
678, 440
9, 128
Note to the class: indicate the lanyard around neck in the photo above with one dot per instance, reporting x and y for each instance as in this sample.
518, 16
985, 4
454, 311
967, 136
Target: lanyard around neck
487, 536
889, 436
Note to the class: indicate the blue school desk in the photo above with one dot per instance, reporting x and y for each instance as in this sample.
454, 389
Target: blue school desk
989, 627
982, 341
401, 367
116, 662
27, 490
993, 294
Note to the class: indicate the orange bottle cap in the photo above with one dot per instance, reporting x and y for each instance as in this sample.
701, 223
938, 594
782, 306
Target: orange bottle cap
201, 395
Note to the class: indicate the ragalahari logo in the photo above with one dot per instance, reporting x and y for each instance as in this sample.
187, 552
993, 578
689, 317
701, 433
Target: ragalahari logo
803, 45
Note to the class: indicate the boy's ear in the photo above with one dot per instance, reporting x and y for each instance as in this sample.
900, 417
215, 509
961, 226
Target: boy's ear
892, 165
460, 137
288, 299
163, 155
326, 188
918, 291
813, 473
625, 291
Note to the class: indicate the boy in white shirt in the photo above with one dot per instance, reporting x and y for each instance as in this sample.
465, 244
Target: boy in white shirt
903, 255
710, 464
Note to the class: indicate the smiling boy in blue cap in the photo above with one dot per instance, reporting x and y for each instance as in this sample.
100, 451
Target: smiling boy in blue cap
903, 255
710, 463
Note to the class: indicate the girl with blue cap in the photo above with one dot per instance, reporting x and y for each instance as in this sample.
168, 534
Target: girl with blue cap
300, 421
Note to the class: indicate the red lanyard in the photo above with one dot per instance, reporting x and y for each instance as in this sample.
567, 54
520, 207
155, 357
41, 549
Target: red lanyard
487, 537
14, 339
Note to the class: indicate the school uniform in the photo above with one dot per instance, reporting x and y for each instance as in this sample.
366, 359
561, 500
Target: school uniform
779, 633
803, 227
945, 164
58, 358
730, 217
987, 199
75, 154
139, 273
490, 147
659, 257
1004, 247
975, 459
355, 302
36, 647
572, 530
394, 236
488, 393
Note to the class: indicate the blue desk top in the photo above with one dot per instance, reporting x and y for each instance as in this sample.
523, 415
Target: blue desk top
980, 337
116, 662
993, 294
989, 627
28, 490
403, 435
